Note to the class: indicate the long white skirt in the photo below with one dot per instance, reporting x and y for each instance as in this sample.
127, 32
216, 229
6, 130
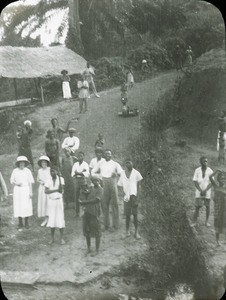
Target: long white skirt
66, 90
42, 202
56, 213
224, 137
22, 203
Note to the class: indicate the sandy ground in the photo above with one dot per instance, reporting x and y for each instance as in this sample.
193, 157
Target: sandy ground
28, 251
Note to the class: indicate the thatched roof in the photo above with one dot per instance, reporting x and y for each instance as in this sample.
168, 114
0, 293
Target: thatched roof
21, 62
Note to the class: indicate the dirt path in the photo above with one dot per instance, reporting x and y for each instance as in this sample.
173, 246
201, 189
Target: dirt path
28, 251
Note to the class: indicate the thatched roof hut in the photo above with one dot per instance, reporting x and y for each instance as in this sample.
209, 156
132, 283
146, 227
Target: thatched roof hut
29, 62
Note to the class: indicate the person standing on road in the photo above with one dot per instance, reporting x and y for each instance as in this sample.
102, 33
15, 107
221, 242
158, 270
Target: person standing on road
24, 139
219, 203
178, 58
80, 173
110, 171
52, 148
66, 85
88, 75
189, 56
22, 181
83, 94
130, 182
91, 217
203, 189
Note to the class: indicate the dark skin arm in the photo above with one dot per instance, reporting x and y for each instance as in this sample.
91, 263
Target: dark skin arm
96, 200
213, 182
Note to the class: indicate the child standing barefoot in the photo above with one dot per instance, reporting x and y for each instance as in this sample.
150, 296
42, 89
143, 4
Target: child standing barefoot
91, 217
22, 181
43, 177
54, 190
219, 203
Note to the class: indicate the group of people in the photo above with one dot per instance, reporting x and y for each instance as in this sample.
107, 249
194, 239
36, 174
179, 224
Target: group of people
206, 180
84, 85
93, 186
180, 57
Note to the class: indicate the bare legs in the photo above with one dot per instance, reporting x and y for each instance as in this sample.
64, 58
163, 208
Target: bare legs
82, 101
62, 242
97, 243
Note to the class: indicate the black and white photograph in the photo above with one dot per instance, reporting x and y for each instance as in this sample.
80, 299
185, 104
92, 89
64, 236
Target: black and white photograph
112, 150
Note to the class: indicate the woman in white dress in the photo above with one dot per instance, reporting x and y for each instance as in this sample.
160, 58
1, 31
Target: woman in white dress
22, 180
42, 178
54, 190
66, 85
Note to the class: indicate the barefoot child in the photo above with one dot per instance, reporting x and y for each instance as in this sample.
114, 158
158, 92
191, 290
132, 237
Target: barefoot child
42, 178
219, 203
100, 141
91, 217
129, 180
22, 181
54, 190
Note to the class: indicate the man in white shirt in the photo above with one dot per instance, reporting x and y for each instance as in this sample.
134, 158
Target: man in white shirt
109, 171
71, 142
96, 162
129, 181
203, 189
80, 172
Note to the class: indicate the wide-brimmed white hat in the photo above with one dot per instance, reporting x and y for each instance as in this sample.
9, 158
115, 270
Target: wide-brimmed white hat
45, 158
22, 159
27, 122
71, 129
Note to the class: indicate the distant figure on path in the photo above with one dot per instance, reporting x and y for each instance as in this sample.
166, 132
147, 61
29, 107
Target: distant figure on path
67, 164
59, 131
80, 173
88, 75
24, 140
219, 203
130, 79
42, 178
91, 218
71, 142
178, 58
222, 128
221, 146
130, 182
52, 148
66, 85
189, 56
100, 141
203, 189
22, 181
110, 171
54, 188
83, 94
144, 66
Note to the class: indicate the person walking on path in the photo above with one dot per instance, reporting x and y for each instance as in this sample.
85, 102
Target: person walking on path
189, 56
130, 79
91, 217
130, 182
66, 85
88, 75
59, 131
219, 186
24, 139
71, 142
96, 162
110, 171
3, 195
203, 189
80, 173
66, 168
83, 94
178, 57
42, 178
22, 181
52, 148
54, 190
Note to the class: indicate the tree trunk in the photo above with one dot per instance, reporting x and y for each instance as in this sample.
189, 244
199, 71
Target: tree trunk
74, 40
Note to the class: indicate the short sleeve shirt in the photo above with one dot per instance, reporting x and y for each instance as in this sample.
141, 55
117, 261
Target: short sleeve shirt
129, 184
202, 181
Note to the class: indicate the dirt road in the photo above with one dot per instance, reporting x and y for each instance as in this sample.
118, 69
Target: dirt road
28, 251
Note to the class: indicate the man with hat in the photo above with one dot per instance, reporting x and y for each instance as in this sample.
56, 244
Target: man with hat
65, 85
71, 142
